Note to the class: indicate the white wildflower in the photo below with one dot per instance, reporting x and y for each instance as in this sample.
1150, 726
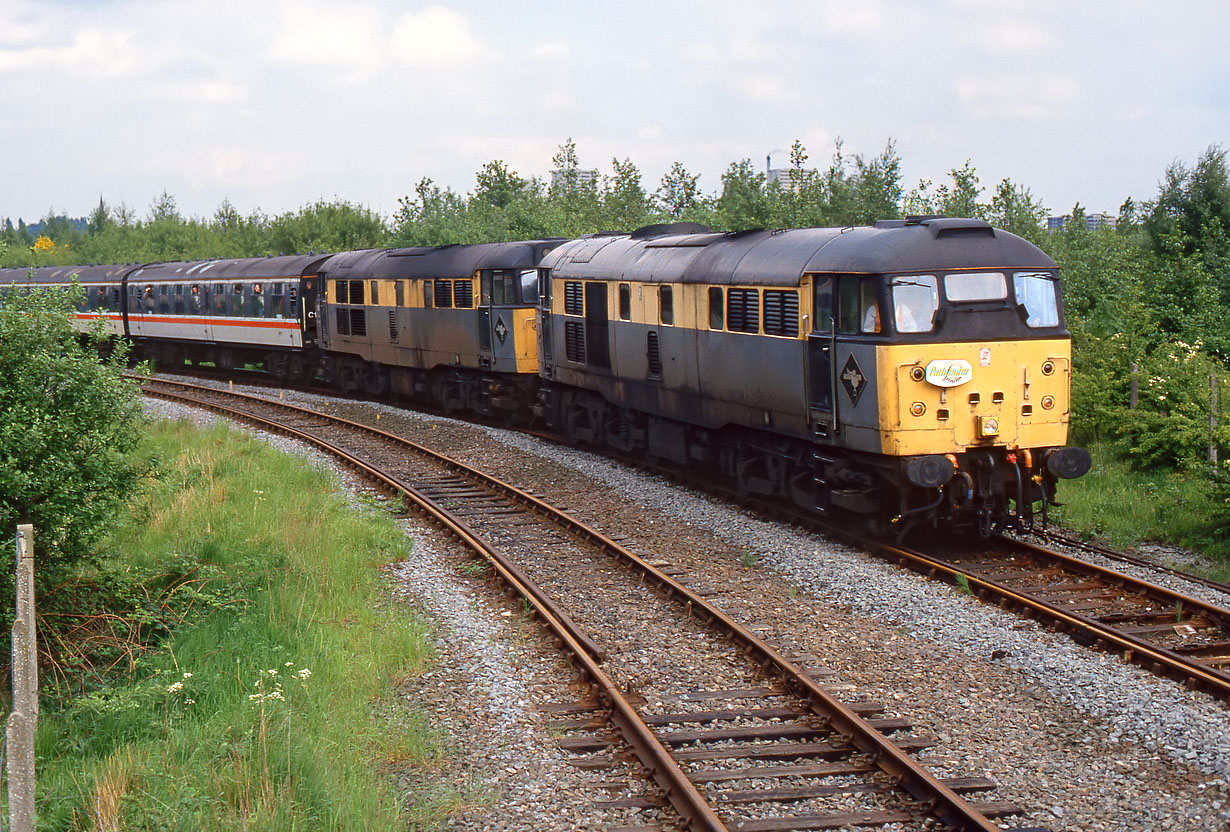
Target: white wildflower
303, 674
175, 688
187, 675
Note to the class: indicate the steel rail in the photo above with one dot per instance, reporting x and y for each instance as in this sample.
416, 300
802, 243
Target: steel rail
679, 790
945, 804
1134, 650
1065, 540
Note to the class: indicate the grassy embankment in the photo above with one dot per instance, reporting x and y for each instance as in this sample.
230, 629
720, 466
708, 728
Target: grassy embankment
1126, 507
257, 706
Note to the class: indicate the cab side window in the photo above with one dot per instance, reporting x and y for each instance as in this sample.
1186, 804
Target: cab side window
859, 306
822, 315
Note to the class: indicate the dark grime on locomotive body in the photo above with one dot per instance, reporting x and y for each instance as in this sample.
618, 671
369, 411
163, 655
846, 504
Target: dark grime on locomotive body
910, 374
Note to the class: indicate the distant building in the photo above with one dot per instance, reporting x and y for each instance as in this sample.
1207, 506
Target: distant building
785, 176
1091, 220
584, 177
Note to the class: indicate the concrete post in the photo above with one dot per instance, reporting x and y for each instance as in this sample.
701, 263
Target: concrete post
19, 731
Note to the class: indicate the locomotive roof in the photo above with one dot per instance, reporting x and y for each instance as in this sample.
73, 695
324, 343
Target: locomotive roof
457, 261
241, 268
780, 258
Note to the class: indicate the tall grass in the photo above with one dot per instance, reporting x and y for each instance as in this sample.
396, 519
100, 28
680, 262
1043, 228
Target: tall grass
258, 711
1128, 507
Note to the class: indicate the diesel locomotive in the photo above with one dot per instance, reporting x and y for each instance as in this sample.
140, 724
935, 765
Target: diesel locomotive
911, 373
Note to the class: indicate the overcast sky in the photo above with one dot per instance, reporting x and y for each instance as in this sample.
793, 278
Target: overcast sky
274, 105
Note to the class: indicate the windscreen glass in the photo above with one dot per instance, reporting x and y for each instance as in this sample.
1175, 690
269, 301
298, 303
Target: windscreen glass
915, 299
1036, 292
976, 286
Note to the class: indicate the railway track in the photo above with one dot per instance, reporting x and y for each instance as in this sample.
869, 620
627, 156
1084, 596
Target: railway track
1164, 631
731, 733
1170, 633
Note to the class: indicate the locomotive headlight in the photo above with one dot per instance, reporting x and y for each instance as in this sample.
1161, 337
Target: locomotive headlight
918, 374
1048, 367
1048, 402
987, 426
918, 408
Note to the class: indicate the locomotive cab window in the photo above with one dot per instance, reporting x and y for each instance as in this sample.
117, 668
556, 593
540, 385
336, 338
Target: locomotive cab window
822, 317
968, 286
859, 306
529, 285
1036, 292
915, 301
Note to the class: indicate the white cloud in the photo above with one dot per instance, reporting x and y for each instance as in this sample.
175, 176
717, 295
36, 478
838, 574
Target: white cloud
1017, 37
1016, 96
552, 50
349, 37
762, 88
92, 52
844, 18
435, 36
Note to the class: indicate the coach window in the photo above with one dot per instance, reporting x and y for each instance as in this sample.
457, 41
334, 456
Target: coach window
237, 300
666, 305
195, 294
219, 298
179, 298
149, 298
258, 301
717, 308
915, 299
625, 301
278, 300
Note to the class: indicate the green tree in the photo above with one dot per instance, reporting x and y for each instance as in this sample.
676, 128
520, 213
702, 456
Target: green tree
625, 204
1196, 203
431, 217
679, 197
327, 226
1014, 209
744, 201
574, 198
68, 426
